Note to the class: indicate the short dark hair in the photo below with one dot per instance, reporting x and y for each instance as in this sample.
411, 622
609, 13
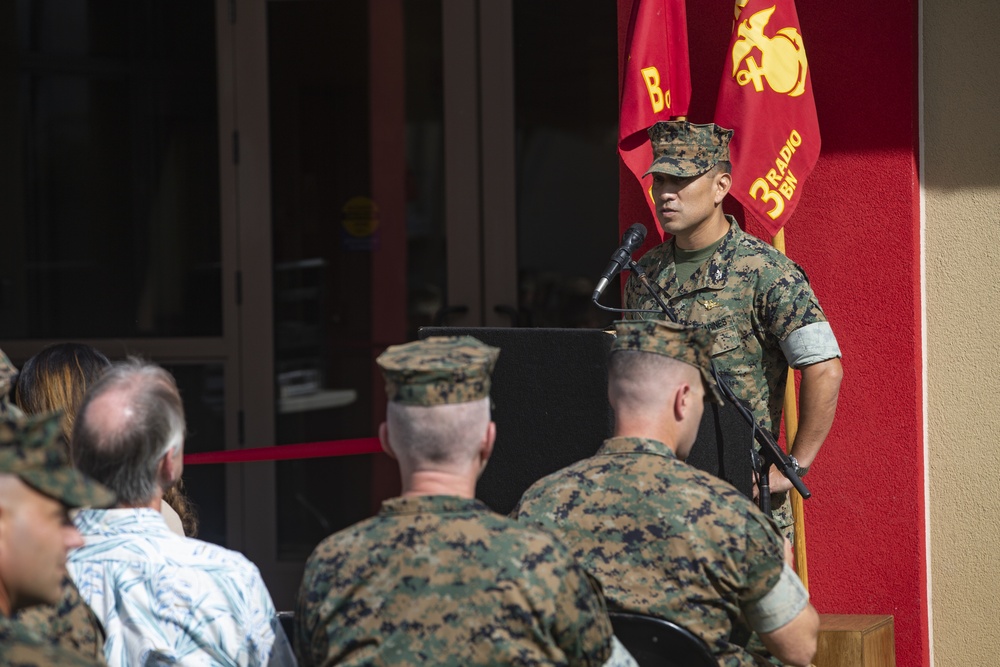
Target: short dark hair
125, 454
724, 167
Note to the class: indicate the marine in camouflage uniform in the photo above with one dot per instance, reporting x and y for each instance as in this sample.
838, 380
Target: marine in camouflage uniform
665, 539
757, 302
70, 623
441, 579
30, 449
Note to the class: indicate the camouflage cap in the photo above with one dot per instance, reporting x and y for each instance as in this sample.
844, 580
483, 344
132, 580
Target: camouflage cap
438, 370
30, 448
8, 373
692, 345
686, 149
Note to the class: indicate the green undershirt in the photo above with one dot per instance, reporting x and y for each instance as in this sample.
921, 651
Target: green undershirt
686, 262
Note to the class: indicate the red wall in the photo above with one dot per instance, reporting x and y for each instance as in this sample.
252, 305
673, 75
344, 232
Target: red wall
856, 233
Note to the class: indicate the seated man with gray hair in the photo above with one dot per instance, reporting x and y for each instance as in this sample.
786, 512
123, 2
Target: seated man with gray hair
436, 577
163, 598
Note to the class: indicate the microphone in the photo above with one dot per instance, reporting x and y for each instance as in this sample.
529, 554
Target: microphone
631, 240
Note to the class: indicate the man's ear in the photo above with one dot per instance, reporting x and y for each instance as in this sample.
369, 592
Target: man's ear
171, 465
486, 447
682, 401
723, 182
383, 438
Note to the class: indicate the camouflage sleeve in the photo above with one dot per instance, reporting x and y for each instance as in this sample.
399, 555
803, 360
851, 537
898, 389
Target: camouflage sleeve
69, 624
583, 629
764, 557
23, 655
780, 605
633, 294
303, 617
788, 303
20, 646
810, 344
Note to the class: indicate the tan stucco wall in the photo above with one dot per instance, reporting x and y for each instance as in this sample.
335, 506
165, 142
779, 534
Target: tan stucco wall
961, 86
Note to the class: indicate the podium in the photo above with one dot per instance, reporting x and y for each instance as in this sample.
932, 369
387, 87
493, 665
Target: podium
855, 641
550, 396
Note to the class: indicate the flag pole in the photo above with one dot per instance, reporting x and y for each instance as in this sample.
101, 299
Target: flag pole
790, 411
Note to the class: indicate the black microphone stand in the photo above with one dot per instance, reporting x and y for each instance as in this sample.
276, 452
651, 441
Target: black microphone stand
770, 453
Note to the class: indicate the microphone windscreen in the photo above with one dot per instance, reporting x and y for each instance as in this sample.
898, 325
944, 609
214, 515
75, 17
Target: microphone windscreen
634, 236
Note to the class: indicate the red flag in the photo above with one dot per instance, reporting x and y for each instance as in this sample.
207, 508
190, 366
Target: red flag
766, 97
656, 83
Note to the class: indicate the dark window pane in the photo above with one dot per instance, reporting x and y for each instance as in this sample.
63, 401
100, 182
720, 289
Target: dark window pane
566, 116
111, 191
321, 135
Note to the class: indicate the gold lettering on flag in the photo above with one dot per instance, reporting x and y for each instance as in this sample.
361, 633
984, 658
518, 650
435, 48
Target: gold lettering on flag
782, 57
780, 177
659, 99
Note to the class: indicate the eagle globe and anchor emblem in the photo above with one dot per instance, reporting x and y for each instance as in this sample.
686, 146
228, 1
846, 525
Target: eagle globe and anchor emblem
782, 57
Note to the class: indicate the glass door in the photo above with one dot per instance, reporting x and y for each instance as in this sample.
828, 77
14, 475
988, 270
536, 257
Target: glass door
355, 249
402, 163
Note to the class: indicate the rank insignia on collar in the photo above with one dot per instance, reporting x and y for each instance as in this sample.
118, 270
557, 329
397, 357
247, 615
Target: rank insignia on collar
718, 274
710, 304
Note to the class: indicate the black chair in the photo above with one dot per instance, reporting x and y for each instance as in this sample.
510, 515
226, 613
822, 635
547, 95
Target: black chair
287, 619
654, 642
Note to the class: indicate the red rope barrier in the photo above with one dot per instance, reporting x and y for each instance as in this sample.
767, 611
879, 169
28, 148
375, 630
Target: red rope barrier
305, 450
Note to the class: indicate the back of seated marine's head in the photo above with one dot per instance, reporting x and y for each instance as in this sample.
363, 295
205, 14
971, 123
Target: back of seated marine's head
659, 373
438, 398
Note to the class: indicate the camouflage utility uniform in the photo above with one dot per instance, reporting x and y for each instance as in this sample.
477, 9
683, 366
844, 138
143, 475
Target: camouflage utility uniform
20, 647
70, 624
751, 297
663, 538
442, 580
30, 447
